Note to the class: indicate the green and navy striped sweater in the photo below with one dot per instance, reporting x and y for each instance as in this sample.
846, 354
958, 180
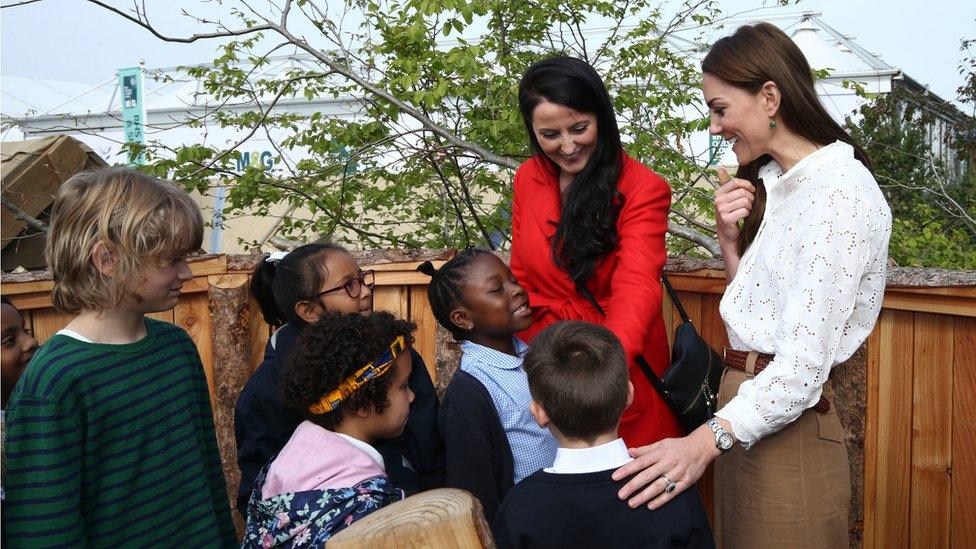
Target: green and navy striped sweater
114, 446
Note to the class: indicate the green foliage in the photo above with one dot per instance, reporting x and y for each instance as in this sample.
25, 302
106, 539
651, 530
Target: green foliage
386, 178
929, 243
932, 203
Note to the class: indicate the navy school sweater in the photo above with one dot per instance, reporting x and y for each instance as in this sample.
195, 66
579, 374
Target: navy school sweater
479, 458
583, 510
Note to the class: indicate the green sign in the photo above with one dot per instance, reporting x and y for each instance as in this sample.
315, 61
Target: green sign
716, 146
133, 108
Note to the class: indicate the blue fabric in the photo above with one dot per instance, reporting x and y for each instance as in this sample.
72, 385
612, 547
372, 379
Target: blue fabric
533, 447
308, 519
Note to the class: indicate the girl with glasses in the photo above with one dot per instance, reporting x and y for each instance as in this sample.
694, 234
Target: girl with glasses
295, 290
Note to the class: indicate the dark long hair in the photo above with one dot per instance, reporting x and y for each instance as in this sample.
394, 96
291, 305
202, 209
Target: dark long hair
752, 56
587, 228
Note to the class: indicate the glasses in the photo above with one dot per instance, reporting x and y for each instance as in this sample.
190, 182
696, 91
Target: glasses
353, 286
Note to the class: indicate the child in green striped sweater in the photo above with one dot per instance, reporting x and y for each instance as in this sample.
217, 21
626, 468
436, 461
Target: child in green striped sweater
110, 437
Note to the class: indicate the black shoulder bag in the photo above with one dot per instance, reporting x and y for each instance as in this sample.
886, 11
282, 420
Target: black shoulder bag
690, 384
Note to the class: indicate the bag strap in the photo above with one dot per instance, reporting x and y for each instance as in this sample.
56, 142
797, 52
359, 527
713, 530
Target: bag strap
674, 298
652, 377
589, 297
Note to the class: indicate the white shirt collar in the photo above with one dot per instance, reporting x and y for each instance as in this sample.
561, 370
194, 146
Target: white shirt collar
366, 448
771, 173
606, 456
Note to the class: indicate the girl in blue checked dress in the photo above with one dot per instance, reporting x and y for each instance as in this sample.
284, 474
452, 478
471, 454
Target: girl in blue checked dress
491, 438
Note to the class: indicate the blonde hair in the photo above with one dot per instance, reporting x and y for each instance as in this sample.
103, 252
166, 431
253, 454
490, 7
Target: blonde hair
139, 219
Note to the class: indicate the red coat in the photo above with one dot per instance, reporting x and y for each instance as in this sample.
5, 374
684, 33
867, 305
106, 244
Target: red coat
626, 282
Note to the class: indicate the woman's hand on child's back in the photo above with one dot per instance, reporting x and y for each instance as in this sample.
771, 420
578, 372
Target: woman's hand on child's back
679, 460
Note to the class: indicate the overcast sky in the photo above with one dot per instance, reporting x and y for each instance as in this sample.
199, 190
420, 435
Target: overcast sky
77, 41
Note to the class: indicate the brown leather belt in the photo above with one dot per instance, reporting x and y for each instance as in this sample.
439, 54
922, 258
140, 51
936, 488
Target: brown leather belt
752, 362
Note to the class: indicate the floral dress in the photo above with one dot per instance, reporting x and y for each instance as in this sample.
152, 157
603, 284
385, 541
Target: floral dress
308, 519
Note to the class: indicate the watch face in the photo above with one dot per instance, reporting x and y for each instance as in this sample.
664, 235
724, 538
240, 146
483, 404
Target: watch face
725, 441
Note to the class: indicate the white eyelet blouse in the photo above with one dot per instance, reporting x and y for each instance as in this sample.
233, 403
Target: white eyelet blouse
809, 288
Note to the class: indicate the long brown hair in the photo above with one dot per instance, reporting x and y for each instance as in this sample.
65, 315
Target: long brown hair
760, 53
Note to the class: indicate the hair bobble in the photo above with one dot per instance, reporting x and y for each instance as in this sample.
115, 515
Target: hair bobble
275, 257
428, 269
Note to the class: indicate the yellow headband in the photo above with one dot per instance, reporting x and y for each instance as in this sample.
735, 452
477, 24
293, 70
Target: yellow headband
370, 371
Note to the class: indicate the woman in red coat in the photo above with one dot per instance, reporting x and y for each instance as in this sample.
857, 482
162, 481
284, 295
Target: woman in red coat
588, 225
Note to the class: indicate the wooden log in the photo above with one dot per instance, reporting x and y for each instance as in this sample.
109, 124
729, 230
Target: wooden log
165, 316
850, 390
448, 358
870, 499
424, 338
229, 305
192, 313
260, 333
446, 517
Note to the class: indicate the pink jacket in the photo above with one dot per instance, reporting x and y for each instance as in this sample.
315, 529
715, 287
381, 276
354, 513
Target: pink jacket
317, 459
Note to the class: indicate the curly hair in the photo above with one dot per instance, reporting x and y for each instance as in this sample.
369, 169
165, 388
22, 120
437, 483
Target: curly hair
331, 350
587, 229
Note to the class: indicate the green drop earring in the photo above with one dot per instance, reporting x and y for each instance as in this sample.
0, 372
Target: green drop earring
772, 124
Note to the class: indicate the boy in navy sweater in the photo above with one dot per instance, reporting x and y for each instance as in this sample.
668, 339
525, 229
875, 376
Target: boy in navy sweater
577, 375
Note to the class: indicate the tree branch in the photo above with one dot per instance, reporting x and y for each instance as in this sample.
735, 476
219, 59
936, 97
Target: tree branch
144, 23
698, 238
24, 3
23, 216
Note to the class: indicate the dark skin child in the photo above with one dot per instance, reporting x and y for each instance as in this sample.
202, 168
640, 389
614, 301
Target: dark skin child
495, 306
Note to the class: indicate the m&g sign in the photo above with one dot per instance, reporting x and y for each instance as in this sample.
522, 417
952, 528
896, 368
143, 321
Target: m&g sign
262, 160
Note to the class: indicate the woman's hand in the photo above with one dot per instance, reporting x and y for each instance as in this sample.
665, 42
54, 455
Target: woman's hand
680, 460
733, 201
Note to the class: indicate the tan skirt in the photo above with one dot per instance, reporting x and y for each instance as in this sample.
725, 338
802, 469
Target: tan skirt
792, 489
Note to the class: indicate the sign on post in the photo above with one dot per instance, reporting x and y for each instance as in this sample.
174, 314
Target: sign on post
716, 146
133, 109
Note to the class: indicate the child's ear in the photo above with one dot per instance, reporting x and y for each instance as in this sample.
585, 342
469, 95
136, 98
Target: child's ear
630, 393
539, 413
364, 412
460, 318
309, 311
103, 259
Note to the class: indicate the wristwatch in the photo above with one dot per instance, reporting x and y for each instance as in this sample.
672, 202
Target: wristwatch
723, 438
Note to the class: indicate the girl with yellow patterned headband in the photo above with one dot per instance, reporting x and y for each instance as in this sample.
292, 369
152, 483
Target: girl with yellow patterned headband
348, 377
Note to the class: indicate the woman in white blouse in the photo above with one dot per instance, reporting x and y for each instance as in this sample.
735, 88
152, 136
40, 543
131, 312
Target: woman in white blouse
806, 276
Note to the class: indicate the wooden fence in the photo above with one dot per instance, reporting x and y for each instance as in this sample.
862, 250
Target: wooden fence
907, 399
